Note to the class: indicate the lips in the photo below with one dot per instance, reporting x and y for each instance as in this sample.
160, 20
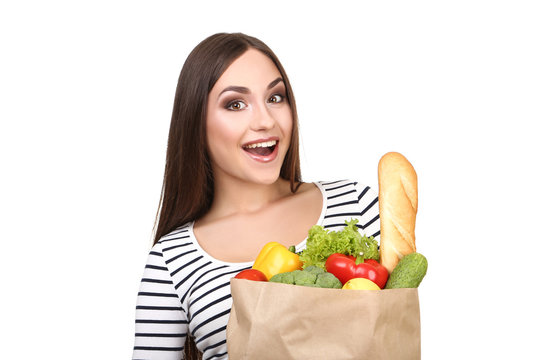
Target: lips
263, 150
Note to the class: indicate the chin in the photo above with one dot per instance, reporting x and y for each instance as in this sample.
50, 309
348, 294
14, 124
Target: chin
266, 179
264, 175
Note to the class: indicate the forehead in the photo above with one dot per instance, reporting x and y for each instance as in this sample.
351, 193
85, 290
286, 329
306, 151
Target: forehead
252, 69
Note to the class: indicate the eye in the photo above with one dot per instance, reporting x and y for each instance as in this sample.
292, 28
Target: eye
276, 98
236, 105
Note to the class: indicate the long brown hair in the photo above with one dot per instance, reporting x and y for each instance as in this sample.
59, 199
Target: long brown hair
188, 184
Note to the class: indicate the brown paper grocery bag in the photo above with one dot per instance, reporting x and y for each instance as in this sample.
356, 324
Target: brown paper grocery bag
280, 321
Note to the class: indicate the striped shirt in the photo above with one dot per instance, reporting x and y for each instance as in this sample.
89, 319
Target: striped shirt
184, 289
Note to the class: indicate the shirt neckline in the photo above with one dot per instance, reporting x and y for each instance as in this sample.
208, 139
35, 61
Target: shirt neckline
249, 263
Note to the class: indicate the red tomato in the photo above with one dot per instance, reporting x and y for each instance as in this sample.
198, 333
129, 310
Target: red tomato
344, 267
251, 274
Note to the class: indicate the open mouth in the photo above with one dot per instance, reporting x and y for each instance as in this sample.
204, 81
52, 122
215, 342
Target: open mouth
261, 149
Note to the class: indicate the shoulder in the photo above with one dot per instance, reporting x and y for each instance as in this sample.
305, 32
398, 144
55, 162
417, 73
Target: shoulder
347, 186
347, 199
168, 245
181, 232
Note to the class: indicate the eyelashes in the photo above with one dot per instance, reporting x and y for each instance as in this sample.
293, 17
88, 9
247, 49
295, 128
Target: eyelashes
240, 104
276, 98
235, 105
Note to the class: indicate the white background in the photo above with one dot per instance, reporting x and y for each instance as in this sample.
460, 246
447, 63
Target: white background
86, 93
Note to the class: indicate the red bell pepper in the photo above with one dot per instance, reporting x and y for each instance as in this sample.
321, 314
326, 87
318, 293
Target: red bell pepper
346, 267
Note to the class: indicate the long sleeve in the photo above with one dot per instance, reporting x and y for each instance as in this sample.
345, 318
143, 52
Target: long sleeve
161, 322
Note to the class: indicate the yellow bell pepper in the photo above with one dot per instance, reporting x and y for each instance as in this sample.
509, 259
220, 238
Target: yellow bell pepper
275, 258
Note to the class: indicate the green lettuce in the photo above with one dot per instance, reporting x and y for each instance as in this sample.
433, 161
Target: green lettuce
322, 243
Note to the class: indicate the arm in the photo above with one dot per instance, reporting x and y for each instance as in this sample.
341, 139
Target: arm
161, 322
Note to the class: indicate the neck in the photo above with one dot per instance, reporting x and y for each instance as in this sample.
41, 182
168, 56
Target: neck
239, 197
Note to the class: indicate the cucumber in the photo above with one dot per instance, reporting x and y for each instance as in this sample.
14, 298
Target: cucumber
409, 272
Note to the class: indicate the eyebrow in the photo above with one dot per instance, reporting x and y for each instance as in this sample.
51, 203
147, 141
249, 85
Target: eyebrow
245, 90
274, 83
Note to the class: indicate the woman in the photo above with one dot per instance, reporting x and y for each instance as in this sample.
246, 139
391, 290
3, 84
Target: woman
232, 183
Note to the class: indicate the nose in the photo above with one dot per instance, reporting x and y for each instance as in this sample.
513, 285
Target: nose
263, 119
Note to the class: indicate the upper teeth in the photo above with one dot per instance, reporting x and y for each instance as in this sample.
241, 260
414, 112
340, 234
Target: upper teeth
262, 144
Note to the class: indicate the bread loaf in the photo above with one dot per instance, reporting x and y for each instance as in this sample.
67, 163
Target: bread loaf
398, 202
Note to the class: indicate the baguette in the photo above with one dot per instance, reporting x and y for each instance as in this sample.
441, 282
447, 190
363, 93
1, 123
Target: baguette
398, 202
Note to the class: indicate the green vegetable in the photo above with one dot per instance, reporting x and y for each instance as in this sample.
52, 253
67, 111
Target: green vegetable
409, 272
328, 280
284, 278
312, 276
304, 277
314, 270
322, 243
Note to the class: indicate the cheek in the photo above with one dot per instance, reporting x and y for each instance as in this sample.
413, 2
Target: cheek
221, 136
286, 124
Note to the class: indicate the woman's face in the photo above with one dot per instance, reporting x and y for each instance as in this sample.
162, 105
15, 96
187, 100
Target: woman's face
249, 121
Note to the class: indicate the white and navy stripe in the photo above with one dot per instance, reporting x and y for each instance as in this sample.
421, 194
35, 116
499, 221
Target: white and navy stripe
184, 289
